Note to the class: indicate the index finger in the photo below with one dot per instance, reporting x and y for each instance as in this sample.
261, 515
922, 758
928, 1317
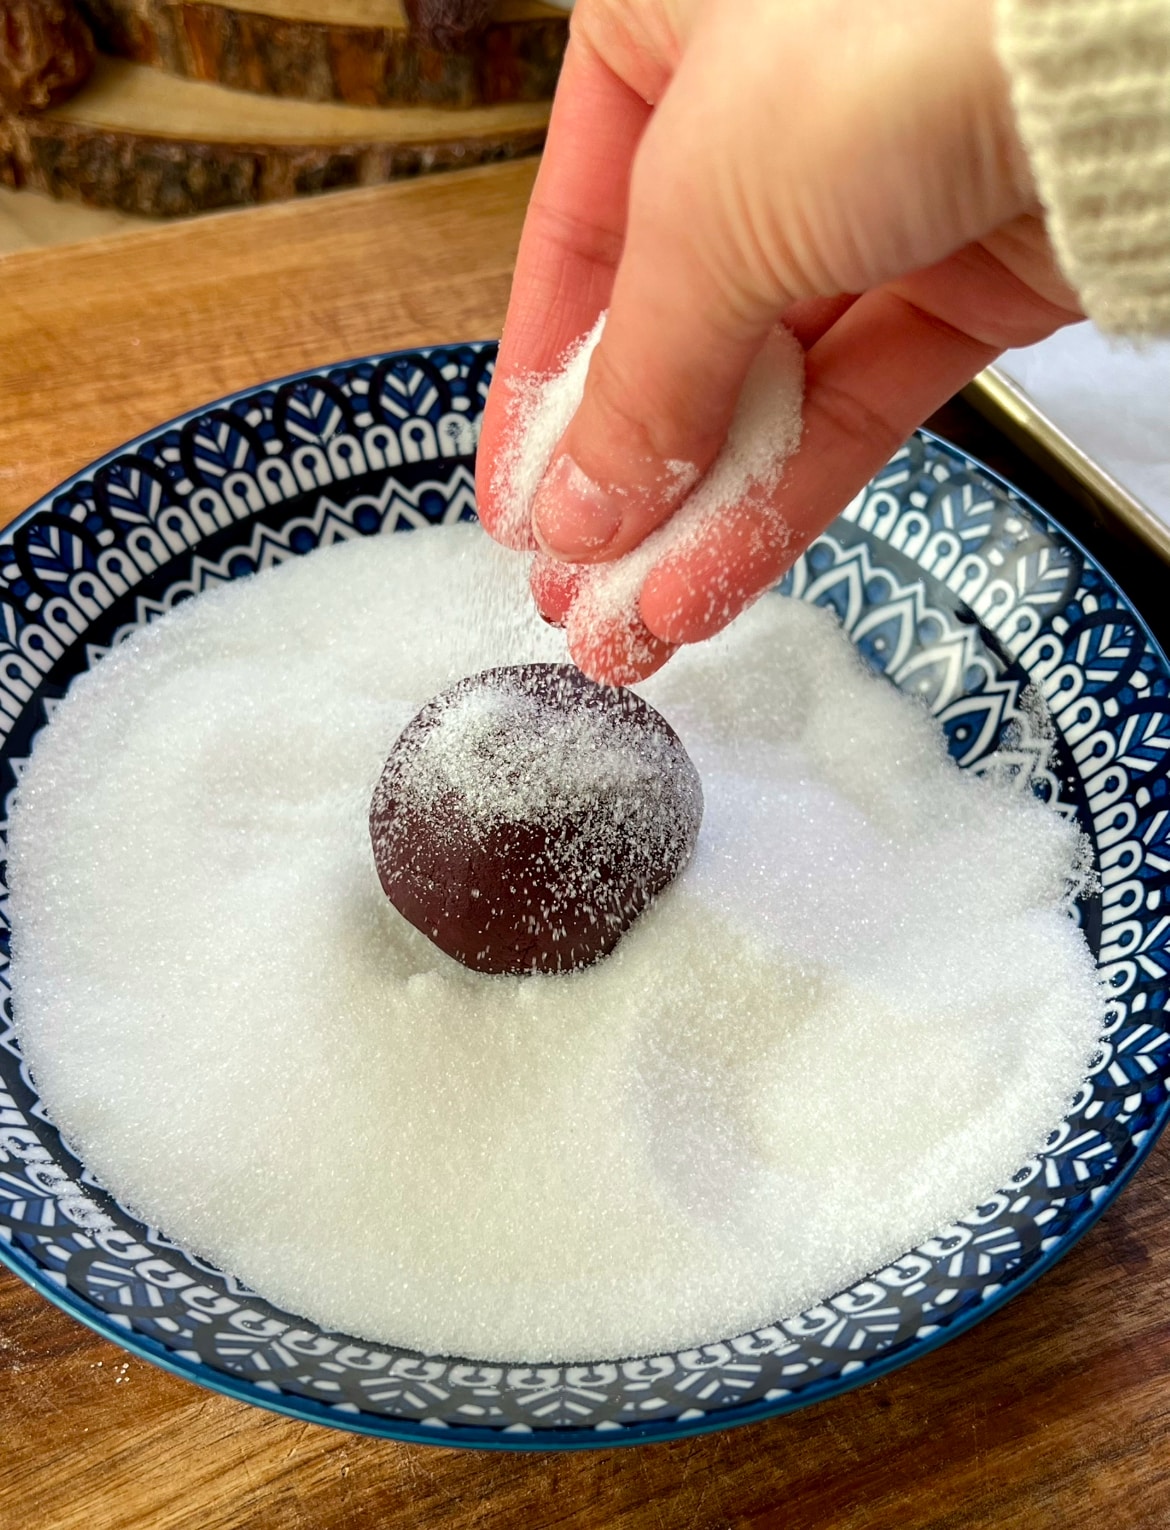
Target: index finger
572, 240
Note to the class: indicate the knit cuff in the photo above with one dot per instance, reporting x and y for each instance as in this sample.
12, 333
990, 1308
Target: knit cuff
1091, 87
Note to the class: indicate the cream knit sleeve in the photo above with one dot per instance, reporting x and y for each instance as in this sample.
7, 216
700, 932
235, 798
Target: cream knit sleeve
1091, 86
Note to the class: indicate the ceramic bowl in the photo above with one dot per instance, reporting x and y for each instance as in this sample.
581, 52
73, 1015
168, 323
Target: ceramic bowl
947, 580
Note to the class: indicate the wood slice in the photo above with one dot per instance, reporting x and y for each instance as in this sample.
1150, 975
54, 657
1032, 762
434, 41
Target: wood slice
143, 142
357, 51
46, 53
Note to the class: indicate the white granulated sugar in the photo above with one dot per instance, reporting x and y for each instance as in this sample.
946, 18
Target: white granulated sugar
539, 410
858, 1010
765, 431
512, 756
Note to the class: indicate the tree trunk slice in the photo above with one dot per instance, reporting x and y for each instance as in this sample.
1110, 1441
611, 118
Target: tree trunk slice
357, 51
46, 53
143, 142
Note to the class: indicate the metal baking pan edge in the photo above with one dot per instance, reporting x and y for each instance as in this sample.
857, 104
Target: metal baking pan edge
1002, 402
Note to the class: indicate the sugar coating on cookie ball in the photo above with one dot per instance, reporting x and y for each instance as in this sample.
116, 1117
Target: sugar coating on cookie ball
527, 816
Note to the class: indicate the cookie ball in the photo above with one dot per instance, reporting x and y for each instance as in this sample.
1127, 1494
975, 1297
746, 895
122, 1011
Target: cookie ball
527, 816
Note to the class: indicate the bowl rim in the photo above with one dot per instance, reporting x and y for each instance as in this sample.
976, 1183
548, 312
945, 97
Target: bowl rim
557, 1438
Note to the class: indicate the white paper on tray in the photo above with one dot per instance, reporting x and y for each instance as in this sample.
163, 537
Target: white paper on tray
1111, 399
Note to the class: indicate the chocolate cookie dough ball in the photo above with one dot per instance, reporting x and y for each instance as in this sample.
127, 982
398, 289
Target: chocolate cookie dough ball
527, 816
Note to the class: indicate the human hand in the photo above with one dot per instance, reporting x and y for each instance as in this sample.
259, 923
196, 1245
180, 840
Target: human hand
848, 166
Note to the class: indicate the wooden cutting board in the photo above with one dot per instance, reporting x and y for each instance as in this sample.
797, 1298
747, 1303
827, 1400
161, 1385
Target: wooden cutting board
1052, 1415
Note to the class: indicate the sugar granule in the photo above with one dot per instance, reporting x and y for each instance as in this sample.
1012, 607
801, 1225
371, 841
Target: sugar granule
764, 432
539, 408
513, 755
854, 1015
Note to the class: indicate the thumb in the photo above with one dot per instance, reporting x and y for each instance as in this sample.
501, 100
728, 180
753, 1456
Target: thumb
686, 320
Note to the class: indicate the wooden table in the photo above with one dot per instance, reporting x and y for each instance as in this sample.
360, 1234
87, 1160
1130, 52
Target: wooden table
1054, 1413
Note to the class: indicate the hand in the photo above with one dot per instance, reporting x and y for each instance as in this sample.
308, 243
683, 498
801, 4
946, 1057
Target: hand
848, 166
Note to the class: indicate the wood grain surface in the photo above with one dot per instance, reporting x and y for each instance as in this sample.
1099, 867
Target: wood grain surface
1054, 1413
100, 341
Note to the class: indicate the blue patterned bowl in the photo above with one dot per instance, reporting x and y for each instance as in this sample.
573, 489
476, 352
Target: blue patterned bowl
944, 577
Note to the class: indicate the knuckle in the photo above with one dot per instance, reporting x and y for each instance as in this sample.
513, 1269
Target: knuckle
619, 405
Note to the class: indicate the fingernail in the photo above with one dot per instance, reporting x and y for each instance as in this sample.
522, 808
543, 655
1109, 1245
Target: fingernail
554, 588
573, 517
